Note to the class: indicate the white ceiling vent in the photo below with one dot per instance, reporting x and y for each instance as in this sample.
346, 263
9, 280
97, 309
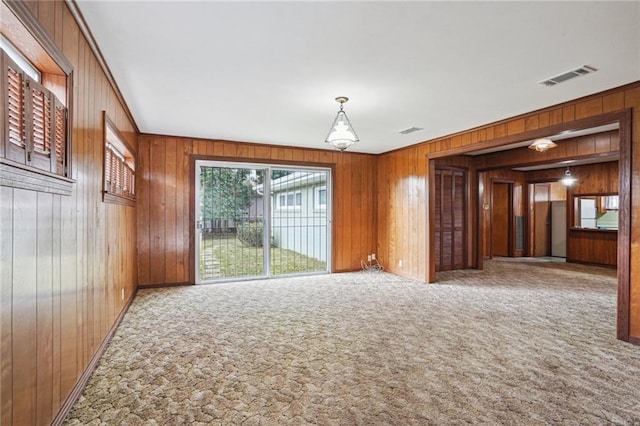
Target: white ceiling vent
561, 78
410, 130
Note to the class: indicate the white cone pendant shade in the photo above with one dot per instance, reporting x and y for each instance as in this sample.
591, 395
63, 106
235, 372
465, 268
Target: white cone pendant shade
341, 135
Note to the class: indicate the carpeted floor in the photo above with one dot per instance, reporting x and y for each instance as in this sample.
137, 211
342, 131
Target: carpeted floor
519, 343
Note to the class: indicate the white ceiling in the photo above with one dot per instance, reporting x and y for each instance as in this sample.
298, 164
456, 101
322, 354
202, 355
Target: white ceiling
268, 72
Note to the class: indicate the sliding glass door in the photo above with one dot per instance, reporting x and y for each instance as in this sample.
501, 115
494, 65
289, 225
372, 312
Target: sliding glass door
255, 221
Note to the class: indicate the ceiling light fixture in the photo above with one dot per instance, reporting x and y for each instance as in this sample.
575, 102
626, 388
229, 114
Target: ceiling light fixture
341, 135
543, 144
567, 179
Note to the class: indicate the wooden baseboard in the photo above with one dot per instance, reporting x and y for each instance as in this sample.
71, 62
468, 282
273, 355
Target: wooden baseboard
162, 285
86, 375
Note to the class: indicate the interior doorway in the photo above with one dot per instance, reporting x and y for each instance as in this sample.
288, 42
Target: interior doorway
548, 219
501, 222
541, 220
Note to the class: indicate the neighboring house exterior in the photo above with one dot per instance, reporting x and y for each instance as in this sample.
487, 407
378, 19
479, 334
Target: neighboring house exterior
299, 213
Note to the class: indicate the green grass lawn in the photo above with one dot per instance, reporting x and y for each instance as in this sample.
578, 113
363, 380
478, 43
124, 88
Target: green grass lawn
236, 259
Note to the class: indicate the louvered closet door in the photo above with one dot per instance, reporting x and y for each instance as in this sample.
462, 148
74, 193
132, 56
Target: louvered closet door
450, 219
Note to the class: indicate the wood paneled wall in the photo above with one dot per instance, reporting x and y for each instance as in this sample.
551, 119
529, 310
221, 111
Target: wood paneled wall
401, 194
600, 144
403, 177
164, 194
65, 260
597, 247
599, 178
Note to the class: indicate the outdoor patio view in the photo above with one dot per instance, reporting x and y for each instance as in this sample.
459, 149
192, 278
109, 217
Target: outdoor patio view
242, 230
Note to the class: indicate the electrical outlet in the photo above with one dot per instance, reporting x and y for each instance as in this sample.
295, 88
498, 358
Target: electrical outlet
369, 258
373, 256
122, 294
400, 263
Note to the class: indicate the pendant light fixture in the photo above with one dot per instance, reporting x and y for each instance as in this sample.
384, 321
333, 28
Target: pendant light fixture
341, 135
567, 179
543, 144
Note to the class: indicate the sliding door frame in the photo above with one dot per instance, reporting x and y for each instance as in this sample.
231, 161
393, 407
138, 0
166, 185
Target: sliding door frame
234, 162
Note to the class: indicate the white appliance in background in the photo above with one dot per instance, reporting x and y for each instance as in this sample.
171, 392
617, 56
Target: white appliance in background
588, 213
559, 228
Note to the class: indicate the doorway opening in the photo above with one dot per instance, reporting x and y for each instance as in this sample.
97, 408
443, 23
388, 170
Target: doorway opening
605, 142
548, 220
257, 221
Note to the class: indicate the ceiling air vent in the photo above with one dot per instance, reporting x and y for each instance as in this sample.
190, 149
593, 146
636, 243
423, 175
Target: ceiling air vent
410, 130
585, 69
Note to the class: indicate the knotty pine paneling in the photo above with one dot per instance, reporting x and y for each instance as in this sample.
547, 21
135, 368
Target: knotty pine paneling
400, 166
64, 259
164, 185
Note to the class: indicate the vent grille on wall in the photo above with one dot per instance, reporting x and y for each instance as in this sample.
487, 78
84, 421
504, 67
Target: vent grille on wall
410, 130
583, 70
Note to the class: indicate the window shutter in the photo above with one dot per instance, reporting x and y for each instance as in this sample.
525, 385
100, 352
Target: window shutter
40, 122
119, 167
15, 110
119, 177
108, 158
128, 189
15, 88
35, 120
60, 137
41, 132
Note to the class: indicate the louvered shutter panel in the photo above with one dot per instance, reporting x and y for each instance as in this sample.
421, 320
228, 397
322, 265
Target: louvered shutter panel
125, 179
15, 148
41, 126
119, 169
60, 137
132, 184
41, 132
129, 177
108, 158
119, 177
114, 171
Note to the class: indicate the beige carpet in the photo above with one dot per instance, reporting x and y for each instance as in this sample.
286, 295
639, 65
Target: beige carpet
520, 343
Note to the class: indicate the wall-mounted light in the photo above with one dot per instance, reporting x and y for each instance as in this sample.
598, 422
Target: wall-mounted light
341, 135
542, 144
567, 179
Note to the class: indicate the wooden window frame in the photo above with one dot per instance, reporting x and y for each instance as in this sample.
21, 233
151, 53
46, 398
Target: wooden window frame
42, 161
119, 166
